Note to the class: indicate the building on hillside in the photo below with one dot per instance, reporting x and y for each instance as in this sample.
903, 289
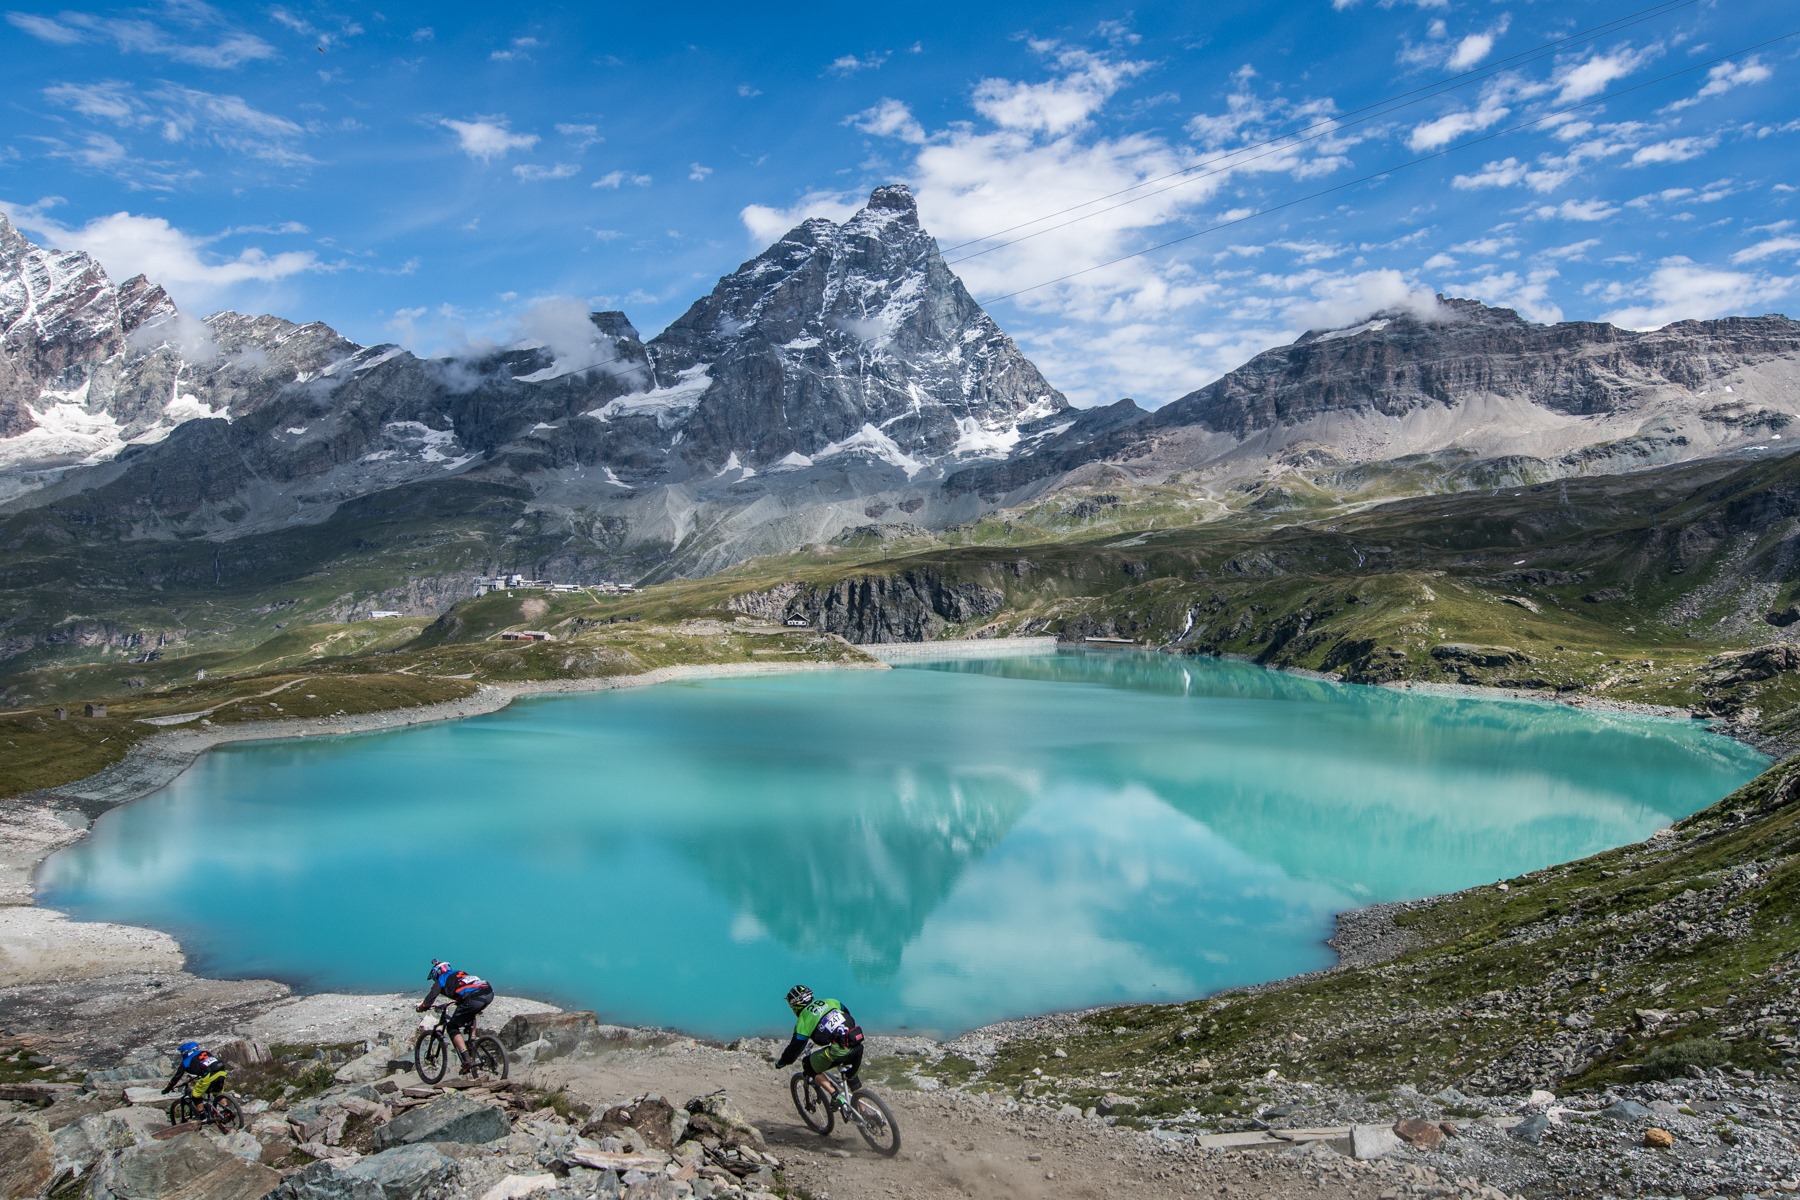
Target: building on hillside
378, 613
525, 635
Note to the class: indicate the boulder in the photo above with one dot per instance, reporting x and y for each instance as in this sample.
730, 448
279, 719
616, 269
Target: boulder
1658, 1139
515, 1186
27, 1159
658, 1187
242, 1143
187, 1167
148, 1096
82, 1143
404, 1173
452, 1118
1112, 1103
563, 1030
242, 1052
1479, 656
718, 1106
1625, 1111
651, 1116
1532, 1129
1419, 1133
1372, 1141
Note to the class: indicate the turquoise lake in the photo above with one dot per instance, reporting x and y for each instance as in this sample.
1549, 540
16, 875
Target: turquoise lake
940, 846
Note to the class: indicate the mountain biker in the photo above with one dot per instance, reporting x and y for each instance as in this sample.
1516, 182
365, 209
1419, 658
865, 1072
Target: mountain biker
207, 1068
471, 993
838, 1037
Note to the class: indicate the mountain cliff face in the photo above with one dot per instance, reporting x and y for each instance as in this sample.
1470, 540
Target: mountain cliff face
842, 380
852, 338
1464, 382
831, 380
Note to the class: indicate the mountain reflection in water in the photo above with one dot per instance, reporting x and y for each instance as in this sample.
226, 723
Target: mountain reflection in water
941, 847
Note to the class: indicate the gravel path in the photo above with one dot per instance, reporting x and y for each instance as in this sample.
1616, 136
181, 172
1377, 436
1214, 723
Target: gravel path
955, 1145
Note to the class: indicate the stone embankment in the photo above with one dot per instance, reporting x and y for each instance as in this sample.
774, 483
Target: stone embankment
351, 1122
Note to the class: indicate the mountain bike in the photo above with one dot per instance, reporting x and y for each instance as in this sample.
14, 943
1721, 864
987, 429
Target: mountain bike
211, 1108
864, 1109
433, 1049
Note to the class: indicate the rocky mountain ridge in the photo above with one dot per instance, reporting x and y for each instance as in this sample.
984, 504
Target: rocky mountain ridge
843, 383
1479, 393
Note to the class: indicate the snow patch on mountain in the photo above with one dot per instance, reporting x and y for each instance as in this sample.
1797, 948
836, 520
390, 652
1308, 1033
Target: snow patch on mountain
666, 404
872, 442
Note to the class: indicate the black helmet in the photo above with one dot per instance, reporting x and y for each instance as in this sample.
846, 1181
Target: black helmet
799, 996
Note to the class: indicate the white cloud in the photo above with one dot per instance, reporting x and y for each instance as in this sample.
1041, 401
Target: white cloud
892, 119
1529, 295
1681, 290
44, 29
1508, 172
1674, 150
768, 224
1725, 76
698, 173
1060, 104
178, 114
615, 179
487, 138
1576, 210
127, 244
1470, 50
1767, 249
747, 91
1441, 131
850, 64
1591, 76
223, 50
581, 133
535, 172
1340, 301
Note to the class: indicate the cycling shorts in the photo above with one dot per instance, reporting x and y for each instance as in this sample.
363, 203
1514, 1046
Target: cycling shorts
466, 1008
214, 1083
827, 1057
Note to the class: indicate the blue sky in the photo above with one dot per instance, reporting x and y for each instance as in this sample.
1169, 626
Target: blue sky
451, 176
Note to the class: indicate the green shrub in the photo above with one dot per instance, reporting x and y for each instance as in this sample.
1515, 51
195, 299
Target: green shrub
1674, 1059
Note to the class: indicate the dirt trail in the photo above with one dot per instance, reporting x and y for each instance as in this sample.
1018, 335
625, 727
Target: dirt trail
958, 1146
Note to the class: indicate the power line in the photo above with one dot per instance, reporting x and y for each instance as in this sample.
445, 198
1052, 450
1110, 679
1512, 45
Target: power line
1392, 104
1487, 137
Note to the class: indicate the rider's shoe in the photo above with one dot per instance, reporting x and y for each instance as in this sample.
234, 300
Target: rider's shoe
467, 1067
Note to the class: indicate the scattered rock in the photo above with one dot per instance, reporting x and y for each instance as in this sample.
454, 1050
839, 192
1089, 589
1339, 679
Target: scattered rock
1112, 1104
1625, 1111
188, 1167
27, 1160
404, 1173
515, 1186
1372, 1141
1532, 1129
1419, 1133
452, 1118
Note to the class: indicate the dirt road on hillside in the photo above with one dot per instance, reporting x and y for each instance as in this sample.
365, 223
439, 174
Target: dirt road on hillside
959, 1146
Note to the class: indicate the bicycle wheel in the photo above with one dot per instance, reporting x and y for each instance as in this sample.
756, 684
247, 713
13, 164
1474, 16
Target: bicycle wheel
431, 1055
228, 1115
184, 1110
490, 1056
876, 1123
811, 1104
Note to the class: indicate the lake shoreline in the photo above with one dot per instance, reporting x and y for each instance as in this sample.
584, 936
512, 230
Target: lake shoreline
45, 947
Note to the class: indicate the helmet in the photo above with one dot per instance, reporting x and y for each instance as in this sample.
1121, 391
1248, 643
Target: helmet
187, 1050
799, 996
437, 968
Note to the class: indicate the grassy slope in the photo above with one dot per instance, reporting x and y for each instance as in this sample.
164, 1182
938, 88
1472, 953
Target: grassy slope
1537, 985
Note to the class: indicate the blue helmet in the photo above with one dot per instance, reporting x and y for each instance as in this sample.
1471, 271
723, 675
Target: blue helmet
437, 968
187, 1050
